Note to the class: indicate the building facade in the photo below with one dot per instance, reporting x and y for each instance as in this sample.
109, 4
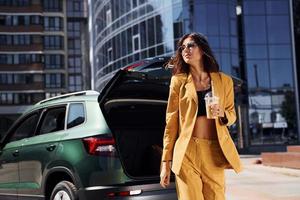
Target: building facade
129, 30
270, 63
252, 39
43, 52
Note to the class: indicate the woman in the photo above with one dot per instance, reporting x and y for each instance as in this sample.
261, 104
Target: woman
198, 149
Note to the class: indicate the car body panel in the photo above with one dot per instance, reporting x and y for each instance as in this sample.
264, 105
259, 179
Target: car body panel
34, 158
9, 174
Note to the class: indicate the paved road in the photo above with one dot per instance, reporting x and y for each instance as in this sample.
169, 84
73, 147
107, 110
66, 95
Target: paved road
258, 182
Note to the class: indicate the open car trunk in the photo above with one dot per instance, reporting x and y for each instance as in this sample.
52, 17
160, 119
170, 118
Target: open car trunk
134, 105
138, 130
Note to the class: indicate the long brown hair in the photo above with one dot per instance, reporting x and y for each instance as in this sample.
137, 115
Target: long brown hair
209, 61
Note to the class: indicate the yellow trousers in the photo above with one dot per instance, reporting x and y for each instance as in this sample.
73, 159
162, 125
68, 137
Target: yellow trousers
202, 173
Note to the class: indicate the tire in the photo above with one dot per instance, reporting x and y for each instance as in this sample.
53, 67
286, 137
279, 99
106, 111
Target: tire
64, 190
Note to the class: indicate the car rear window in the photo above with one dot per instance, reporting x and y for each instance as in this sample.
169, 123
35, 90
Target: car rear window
76, 115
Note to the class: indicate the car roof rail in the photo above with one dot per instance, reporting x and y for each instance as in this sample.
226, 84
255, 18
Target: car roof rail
81, 93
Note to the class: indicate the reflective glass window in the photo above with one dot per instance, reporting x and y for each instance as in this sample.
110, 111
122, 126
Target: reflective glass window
255, 30
281, 73
26, 128
235, 59
256, 51
258, 74
278, 29
223, 18
200, 17
76, 115
234, 42
150, 28
233, 26
129, 41
159, 28
253, 7
212, 20
277, 7
214, 42
136, 42
225, 63
217, 56
109, 55
134, 3
142, 35
280, 51
53, 120
224, 42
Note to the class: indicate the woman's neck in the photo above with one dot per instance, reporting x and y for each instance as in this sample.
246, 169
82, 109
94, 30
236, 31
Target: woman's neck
196, 71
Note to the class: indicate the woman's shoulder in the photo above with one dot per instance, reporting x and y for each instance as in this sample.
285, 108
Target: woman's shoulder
224, 76
179, 76
178, 79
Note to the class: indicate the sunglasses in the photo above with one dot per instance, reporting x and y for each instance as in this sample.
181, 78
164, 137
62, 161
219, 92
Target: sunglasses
188, 45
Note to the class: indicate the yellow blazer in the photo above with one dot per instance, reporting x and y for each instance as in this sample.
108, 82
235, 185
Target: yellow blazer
181, 115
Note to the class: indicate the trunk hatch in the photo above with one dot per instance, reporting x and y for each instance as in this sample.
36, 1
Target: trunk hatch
134, 105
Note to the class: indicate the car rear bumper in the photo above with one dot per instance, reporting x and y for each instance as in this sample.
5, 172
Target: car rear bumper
141, 192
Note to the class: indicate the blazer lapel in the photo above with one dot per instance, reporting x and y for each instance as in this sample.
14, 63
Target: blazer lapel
190, 88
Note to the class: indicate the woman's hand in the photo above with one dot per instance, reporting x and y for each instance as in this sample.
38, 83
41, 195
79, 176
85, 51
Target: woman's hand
217, 111
165, 174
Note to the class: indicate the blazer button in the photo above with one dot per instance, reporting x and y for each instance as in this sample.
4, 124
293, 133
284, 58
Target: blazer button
226, 137
182, 119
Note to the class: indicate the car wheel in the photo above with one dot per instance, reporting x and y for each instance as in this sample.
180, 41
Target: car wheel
64, 190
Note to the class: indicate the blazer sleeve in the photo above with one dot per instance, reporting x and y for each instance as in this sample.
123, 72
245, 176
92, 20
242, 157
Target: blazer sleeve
172, 112
230, 115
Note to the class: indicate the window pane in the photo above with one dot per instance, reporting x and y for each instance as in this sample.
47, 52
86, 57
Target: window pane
278, 29
256, 51
212, 20
254, 7
76, 115
214, 42
225, 63
281, 73
258, 74
252, 25
277, 7
26, 129
280, 51
224, 42
224, 19
54, 120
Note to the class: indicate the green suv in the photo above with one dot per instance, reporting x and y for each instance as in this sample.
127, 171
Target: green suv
87, 145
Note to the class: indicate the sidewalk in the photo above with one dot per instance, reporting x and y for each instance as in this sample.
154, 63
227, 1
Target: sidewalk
258, 182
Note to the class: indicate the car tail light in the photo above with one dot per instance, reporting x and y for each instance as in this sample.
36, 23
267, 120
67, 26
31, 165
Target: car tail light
124, 193
104, 146
131, 67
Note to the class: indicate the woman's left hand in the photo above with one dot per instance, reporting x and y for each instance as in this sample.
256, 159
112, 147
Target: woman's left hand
217, 111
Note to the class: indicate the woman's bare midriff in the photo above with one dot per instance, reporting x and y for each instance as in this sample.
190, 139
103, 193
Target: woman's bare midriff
205, 128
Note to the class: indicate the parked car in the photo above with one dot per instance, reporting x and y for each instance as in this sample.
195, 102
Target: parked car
90, 145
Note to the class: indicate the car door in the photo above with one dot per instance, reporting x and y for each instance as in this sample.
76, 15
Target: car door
38, 151
9, 176
10, 154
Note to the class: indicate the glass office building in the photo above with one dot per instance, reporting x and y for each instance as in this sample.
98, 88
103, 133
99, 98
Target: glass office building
251, 39
271, 72
129, 30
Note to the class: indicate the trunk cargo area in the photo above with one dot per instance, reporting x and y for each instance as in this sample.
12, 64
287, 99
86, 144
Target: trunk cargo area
138, 128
